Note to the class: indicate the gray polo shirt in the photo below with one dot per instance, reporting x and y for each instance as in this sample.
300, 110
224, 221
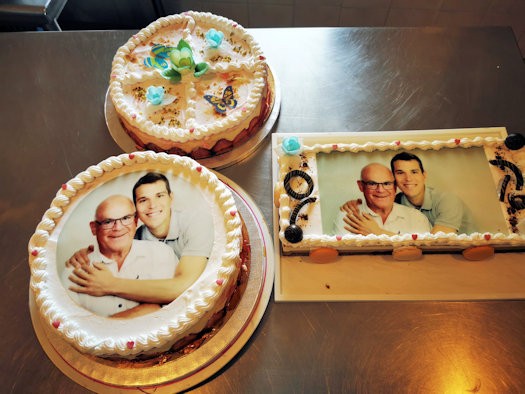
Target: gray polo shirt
445, 209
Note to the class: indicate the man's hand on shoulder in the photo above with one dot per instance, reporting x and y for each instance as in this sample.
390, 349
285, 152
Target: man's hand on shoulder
80, 258
96, 280
363, 224
351, 206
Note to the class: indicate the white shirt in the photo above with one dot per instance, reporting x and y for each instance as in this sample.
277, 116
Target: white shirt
400, 220
146, 260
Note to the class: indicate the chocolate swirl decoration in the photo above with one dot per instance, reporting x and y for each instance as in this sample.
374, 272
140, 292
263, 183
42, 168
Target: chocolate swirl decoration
511, 166
300, 174
503, 188
516, 201
293, 232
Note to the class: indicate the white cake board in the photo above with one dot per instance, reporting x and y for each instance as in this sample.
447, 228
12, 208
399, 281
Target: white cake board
445, 276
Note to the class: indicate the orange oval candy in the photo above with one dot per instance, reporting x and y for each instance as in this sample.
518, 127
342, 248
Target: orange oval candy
406, 253
323, 255
276, 196
476, 253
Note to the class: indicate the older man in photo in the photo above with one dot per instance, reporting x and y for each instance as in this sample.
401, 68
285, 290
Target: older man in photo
380, 214
446, 212
188, 233
120, 259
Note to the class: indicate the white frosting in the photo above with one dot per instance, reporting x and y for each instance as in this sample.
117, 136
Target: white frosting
191, 121
155, 332
313, 237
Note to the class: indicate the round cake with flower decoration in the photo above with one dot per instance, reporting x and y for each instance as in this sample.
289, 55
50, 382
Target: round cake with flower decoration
191, 84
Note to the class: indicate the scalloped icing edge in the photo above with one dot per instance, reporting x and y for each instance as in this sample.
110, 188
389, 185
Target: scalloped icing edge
155, 332
373, 243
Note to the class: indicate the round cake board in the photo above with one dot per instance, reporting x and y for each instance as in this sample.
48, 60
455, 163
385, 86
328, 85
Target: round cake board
218, 162
102, 375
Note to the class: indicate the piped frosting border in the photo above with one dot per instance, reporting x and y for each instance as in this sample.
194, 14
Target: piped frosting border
154, 332
287, 159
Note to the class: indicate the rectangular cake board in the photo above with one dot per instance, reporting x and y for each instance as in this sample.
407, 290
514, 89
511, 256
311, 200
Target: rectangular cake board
369, 277
379, 277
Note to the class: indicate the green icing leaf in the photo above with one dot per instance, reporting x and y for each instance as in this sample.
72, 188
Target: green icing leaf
172, 75
200, 69
183, 44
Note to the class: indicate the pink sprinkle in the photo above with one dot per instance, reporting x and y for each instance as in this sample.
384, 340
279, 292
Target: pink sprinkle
338, 237
487, 236
334, 146
64, 186
130, 344
235, 25
134, 36
199, 169
34, 252
219, 281
113, 76
131, 156
134, 116
243, 109
414, 236
192, 130
56, 323
398, 143
262, 57
233, 213
457, 141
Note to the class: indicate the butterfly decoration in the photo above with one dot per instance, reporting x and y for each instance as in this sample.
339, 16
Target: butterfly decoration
160, 54
221, 104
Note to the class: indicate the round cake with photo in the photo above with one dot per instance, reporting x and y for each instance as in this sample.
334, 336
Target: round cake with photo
136, 255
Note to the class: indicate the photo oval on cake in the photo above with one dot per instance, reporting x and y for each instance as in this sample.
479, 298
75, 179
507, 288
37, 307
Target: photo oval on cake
134, 227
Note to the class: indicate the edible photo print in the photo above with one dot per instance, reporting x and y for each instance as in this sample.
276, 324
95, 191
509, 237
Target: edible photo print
130, 228
409, 191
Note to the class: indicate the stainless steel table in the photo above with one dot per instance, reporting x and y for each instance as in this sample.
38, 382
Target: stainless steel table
332, 80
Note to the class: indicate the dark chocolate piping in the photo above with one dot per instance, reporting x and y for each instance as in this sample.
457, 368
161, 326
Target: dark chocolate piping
300, 174
517, 173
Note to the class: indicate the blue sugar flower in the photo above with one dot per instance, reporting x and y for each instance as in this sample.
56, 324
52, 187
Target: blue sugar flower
291, 145
155, 94
214, 38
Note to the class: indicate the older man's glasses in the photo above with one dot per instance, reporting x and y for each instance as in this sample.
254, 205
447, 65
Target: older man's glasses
371, 185
108, 224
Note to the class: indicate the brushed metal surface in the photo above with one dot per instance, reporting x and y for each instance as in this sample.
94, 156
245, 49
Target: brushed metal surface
336, 79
